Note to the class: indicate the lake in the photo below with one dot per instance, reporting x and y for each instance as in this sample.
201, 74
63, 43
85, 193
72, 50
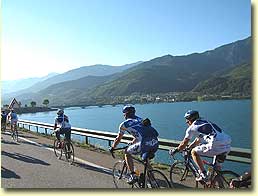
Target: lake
233, 116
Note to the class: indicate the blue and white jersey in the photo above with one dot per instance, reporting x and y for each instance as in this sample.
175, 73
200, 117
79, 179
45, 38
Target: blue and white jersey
207, 131
3, 117
135, 127
62, 121
12, 116
132, 126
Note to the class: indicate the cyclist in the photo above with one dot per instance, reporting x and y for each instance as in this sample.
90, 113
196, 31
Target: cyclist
13, 118
144, 138
3, 120
210, 140
62, 126
242, 181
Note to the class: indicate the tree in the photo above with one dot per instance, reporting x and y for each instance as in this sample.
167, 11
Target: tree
46, 102
33, 103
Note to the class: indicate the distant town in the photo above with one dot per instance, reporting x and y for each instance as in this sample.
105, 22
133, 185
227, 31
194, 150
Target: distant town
116, 100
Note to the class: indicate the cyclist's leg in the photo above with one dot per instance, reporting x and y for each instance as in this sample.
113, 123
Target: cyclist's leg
11, 126
132, 149
202, 150
58, 133
67, 133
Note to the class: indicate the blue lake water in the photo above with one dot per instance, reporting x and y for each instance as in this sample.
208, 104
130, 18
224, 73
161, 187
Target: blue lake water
233, 116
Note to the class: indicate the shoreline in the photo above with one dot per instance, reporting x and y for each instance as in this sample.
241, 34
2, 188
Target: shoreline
24, 110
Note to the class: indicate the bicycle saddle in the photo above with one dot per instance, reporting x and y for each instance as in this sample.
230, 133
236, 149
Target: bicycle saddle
147, 155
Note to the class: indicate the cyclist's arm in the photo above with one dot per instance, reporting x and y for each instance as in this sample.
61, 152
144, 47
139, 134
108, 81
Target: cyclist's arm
117, 140
194, 143
55, 126
183, 144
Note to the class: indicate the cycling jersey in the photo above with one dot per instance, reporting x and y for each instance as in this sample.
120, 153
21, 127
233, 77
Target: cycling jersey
205, 130
62, 122
213, 140
146, 136
12, 116
3, 118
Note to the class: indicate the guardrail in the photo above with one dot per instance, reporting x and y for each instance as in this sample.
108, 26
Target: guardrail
241, 155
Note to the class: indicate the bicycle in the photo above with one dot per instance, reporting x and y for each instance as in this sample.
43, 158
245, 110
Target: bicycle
65, 148
183, 173
150, 178
14, 132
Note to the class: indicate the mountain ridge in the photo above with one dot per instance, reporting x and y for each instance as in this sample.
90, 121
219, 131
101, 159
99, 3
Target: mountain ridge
187, 73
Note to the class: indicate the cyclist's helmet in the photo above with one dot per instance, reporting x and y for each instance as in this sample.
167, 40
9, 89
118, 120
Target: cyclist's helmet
191, 115
128, 109
60, 112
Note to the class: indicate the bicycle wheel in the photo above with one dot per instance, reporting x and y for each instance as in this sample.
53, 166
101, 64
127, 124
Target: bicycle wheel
69, 152
16, 135
181, 176
56, 151
222, 179
121, 175
156, 179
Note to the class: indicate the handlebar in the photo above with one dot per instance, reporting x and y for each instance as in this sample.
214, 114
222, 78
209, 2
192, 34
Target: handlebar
184, 152
116, 149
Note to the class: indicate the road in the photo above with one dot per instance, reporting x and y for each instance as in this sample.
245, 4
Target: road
31, 163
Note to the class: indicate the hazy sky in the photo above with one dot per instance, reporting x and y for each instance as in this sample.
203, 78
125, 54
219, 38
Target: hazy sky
43, 36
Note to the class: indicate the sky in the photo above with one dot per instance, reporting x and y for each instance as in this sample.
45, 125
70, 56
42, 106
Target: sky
43, 36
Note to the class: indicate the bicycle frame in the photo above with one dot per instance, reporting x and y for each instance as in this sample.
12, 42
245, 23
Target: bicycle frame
216, 173
189, 163
145, 163
217, 179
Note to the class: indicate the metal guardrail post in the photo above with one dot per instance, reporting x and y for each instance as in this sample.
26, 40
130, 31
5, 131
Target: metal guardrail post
86, 140
45, 131
37, 128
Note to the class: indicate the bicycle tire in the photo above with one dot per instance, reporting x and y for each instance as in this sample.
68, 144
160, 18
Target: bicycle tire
156, 179
69, 155
182, 177
15, 135
57, 153
120, 179
222, 179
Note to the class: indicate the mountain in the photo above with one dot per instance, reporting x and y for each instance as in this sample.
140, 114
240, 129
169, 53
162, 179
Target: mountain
226, 69
236, 81
177, 73
93, 70
9, 86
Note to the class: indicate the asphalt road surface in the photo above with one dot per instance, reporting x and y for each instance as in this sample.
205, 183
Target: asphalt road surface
30, 163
